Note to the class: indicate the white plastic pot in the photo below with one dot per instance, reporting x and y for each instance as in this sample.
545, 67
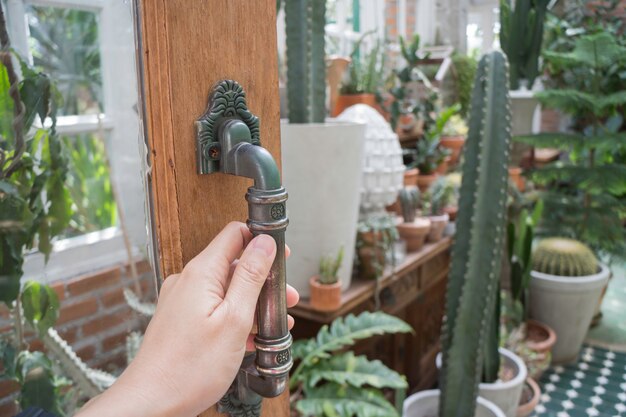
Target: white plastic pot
426, 404
322, 173
504, 394
567, 305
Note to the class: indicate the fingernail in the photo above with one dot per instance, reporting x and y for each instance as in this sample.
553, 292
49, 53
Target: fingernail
264, 243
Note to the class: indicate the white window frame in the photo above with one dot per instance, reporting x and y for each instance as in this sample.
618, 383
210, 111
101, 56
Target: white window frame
93, 251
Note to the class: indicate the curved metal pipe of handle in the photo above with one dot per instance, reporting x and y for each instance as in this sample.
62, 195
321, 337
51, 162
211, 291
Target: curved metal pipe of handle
266, 215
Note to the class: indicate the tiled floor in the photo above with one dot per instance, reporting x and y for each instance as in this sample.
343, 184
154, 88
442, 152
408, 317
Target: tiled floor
596, 384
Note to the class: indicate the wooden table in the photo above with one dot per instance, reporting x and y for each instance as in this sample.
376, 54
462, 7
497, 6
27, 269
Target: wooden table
413, 291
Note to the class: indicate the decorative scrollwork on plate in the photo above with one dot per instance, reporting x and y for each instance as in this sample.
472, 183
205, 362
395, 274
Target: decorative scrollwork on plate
226, 101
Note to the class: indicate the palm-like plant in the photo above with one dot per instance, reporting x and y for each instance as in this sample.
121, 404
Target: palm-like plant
585, 192
329, 381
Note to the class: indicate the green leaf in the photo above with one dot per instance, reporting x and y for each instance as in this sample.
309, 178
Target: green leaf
597, 50
335, 400
356, 371
344, 332
41, 305
605, 178
6, 111
35, 91
34, 372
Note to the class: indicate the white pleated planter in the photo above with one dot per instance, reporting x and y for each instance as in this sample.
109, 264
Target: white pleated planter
426, 404
383, 169
505, 394
322, 173
566, 304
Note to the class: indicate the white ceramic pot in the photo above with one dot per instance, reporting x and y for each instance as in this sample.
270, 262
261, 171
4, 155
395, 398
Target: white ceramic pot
567, 305
526, 114
504, 394
383, 169
322, 173
426, 404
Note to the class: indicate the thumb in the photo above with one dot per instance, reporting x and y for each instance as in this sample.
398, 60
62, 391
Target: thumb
249, 276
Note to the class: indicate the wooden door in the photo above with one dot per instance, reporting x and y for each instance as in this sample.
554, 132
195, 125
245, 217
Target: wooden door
187, 46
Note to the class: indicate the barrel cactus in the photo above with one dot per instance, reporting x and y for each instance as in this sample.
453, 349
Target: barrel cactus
409, 200
477, 250
564, 257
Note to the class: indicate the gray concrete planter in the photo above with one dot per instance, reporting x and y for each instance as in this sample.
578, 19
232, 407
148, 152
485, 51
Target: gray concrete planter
426, 404
504, 394
567, 305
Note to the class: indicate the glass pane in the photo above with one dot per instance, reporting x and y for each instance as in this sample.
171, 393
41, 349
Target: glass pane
89, 184
64, 44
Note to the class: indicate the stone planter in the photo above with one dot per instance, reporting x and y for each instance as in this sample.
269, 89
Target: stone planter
437, 226
414, 234
325, 297
329, 180
567, 305
505, 394
426, 404
526, 114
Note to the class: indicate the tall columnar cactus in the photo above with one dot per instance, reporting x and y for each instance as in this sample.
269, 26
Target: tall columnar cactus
521, 34
306, 69
409, 200
564, 257
477, 250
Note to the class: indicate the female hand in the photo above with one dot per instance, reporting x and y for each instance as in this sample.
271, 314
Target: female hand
202, 326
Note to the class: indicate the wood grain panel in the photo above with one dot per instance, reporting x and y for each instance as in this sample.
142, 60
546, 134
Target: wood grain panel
189, 45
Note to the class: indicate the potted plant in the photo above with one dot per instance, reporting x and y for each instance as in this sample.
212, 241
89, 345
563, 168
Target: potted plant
376, 235
521, 36
583, 191
326, 286
332, 177
566, 284
439, 196
453, 137
363, 79
413, 230
428, 154
330, 380
411, 93
470, 330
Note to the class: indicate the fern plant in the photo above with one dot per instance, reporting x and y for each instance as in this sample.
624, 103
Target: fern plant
333, 382
585, 192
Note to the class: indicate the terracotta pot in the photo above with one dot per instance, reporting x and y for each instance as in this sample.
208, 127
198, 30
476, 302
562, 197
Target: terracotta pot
515, 174
451, 211
539, 337
325, 297
346, 100
530, 398
443, 167
410, 177
414, 234
437, 226
424, 181
455, 144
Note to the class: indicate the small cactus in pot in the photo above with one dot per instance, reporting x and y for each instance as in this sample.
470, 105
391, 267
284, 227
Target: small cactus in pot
439, 196
564, 257
412, 230
326, 287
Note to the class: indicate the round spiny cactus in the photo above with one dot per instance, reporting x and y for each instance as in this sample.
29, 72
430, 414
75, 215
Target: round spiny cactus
564, 257
409, 200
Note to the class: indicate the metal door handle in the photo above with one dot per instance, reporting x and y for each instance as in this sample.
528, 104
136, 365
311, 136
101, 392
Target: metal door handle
228, 142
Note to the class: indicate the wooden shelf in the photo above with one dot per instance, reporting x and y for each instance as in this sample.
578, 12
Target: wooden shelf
361, 290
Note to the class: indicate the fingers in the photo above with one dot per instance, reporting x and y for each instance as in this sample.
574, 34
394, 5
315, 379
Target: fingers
292, 296
248, 279
224, 249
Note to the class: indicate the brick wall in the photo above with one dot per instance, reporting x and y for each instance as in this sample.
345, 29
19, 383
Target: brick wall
94, 319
